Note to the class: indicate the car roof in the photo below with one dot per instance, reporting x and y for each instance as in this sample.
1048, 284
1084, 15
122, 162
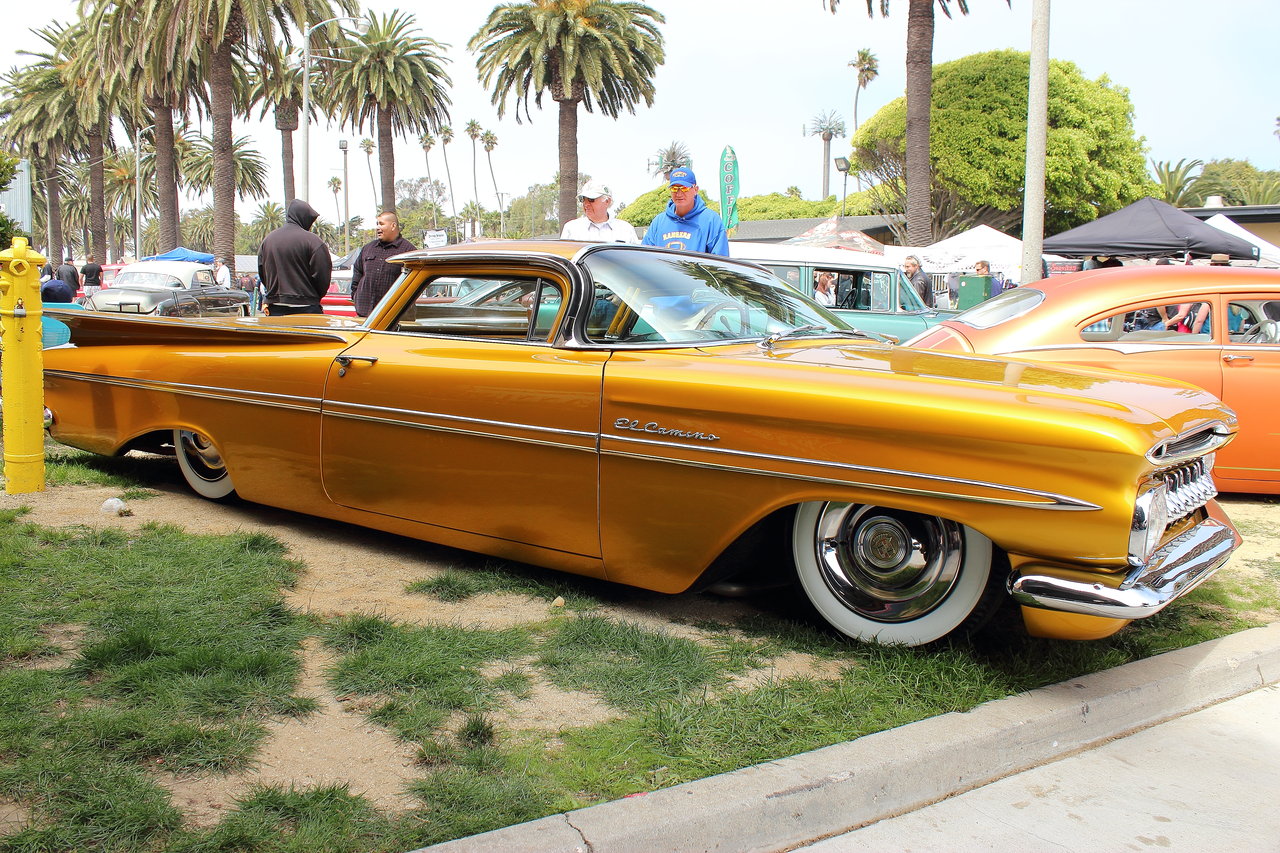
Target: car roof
1121, 285
783, 253
181, 269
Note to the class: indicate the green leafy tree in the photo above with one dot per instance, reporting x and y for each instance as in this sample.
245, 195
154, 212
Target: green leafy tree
1236, 181
200, 167
394, 79
1095, 163
589, 52
642, 211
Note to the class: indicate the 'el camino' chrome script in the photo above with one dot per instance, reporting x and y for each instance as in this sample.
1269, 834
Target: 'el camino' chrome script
651, 427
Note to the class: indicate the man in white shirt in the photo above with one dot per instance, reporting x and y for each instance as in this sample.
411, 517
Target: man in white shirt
221, 273
597, 225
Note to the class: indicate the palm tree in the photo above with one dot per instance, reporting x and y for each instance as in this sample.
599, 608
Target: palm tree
473, 130
827, 125
1176, 180
446, 136
472, 211
335, 185
489, 140
672, 157
919, 101
270, 216
394, 78
219, 30
428, 142
367, 146
200, 168
868, 68
589, 52
277, 85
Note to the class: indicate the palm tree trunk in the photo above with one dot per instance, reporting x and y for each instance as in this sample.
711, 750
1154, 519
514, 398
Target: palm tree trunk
287, 123
431, 187
453, 206
373, 185
826, 165
224, 175
568, 206
53, 193
166, 176
502, 215
475, 185
919, 101
387, 160
97, 194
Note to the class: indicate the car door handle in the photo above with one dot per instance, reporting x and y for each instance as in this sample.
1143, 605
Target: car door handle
344, 361
1231, 358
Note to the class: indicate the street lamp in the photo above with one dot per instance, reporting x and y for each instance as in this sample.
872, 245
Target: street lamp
842, 164
346, 208
306, 98
137, 189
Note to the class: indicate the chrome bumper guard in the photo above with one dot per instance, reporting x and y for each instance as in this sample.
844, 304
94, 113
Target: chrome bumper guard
1174, 570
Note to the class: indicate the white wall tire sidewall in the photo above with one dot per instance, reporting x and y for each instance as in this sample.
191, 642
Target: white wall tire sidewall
934, 625
211, 489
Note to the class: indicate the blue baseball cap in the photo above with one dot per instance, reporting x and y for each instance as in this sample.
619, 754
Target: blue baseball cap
683, 178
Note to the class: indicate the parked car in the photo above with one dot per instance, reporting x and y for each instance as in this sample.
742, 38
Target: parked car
871, 293
171, 289
673, 420
1122, 318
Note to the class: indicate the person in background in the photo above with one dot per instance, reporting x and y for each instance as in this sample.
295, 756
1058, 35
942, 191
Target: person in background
295, 264
56, 290
824, 289
68, 274
687, 223
92, 276
371, 275
597, 224
981, 268
221, 272
919, 279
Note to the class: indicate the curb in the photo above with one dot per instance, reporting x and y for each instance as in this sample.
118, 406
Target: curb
780, 804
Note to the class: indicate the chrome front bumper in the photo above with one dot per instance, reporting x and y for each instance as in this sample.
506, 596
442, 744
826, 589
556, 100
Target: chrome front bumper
1174, 570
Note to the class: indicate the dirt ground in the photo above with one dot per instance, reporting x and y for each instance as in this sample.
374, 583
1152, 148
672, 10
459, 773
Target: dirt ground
352, 570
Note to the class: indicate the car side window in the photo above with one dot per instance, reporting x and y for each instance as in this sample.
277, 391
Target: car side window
497, 308
1175, 323
202, 278
790, 274
1254, 321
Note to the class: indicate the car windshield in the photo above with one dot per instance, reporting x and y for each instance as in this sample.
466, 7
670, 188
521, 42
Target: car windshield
680, 299
154, 280
1001, 309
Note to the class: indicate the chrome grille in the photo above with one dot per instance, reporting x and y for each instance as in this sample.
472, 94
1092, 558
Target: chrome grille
1189, 486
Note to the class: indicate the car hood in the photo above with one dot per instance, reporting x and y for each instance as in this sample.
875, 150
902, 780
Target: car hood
993, 383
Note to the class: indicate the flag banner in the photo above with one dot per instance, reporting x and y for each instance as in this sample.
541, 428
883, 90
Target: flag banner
729, 188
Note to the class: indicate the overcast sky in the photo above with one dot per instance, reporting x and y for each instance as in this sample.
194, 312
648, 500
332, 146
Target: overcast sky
1203, 79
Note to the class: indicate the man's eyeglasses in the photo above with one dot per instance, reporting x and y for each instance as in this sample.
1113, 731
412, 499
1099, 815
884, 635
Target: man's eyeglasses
680, 190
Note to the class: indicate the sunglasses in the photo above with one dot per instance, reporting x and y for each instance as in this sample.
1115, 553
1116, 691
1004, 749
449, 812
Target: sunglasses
681, 190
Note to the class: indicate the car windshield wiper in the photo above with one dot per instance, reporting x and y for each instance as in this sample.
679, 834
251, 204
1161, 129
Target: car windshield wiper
767, 343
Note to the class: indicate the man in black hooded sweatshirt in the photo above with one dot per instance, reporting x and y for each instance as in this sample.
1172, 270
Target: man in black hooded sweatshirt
294, 264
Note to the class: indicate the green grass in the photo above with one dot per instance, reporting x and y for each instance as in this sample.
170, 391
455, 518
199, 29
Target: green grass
166, 650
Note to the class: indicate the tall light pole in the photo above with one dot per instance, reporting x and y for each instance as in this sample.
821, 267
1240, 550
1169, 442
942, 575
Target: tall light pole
346, 207
1037, 135
137, 189
305, 191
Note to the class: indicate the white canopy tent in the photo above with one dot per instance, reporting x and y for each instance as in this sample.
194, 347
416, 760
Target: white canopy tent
957, 253
1269, 253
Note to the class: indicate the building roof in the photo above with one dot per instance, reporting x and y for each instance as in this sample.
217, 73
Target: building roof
777, 230
1239, 212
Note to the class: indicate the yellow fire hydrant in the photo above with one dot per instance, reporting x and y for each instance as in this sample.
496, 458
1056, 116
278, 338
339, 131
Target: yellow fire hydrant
22, 368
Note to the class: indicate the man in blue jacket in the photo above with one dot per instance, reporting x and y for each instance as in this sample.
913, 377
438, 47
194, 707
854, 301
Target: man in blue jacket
688, 223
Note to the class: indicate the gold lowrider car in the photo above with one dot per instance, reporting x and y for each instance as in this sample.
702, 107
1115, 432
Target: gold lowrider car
670, 421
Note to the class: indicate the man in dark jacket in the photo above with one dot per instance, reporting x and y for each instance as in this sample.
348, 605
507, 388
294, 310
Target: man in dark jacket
295, 264
371, 275
69, 274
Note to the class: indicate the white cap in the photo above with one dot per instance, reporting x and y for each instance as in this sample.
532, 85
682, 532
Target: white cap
594, 190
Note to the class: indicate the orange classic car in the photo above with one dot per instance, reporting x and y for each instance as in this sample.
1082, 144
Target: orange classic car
673, 421
1215, 327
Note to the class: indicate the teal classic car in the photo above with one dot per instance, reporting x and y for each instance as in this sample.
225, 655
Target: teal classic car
871, 294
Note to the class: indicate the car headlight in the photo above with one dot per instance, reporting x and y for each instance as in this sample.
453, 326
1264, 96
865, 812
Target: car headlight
1150, 519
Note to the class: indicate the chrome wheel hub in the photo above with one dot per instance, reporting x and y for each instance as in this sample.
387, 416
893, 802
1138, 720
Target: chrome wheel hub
885, 564
204, 459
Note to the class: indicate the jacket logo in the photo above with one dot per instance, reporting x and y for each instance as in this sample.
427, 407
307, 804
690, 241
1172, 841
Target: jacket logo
652, 427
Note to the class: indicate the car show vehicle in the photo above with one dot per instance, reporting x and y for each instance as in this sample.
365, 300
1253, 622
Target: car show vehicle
169, 289
1215, 327
871, 293
672, 420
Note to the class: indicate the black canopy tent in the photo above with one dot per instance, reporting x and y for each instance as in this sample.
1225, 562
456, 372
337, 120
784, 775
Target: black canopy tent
1148, 228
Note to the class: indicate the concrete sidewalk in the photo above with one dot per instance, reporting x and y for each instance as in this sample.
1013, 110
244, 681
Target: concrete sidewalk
794, 801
